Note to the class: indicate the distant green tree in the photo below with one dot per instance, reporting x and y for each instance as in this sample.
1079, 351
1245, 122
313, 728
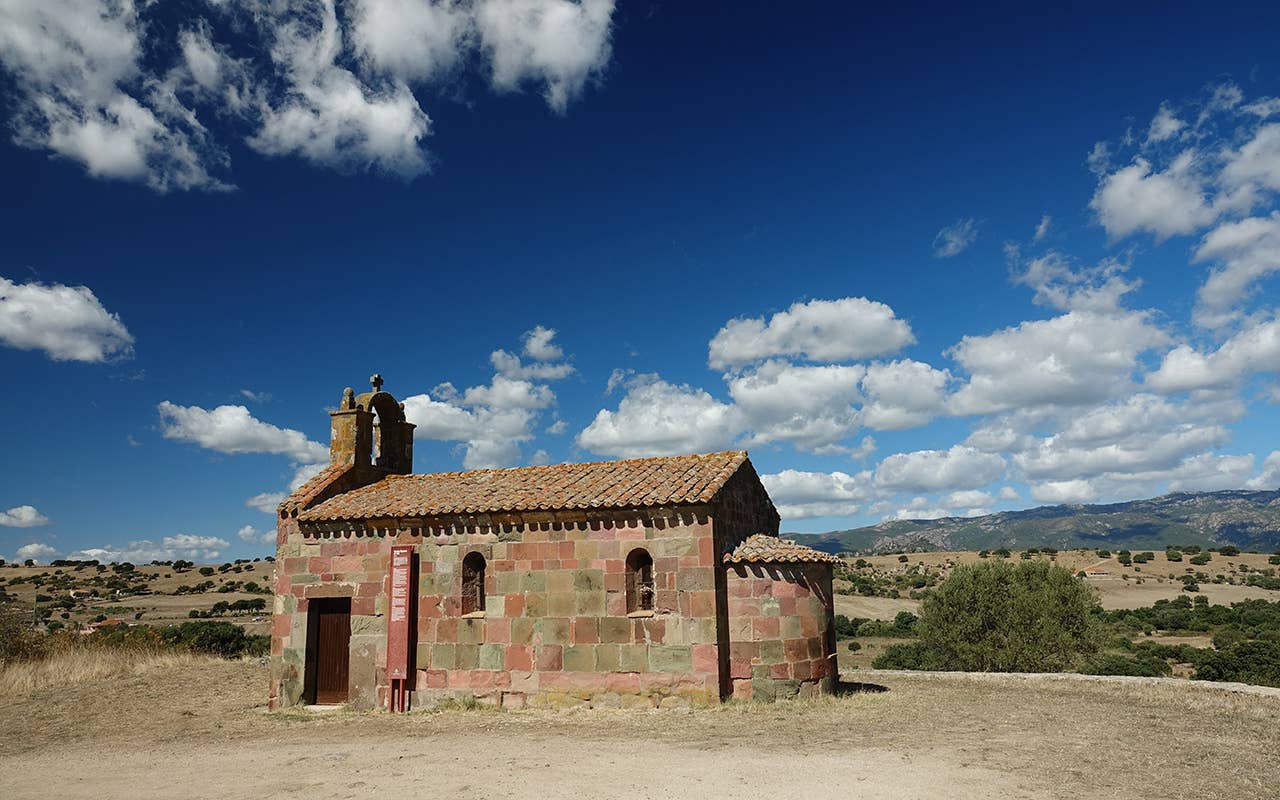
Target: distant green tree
1003, 617
1256, 662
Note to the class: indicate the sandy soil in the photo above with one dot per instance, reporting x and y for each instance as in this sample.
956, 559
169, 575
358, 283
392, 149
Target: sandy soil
199, 731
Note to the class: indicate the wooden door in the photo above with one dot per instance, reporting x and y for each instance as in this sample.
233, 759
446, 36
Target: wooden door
333, 648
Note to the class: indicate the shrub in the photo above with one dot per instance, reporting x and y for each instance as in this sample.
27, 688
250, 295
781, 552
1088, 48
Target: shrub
904, 624
217, 638
1247, 662
206, 571
914, 655
1002, 617
903, 559
1229, 550
1201, 559
1144, 665
855, 645
1172, 555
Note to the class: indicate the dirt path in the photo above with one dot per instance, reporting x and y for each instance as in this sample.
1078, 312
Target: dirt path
498, 766
200, 732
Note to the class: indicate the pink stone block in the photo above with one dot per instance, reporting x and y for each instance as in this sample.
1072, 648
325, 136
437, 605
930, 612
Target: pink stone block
458, 678
705, 658
497, 630
742, 689
519, 657
432, 679
766, 627
550, 658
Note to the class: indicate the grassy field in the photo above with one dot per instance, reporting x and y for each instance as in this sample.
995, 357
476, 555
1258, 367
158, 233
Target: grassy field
160, 605
195, 727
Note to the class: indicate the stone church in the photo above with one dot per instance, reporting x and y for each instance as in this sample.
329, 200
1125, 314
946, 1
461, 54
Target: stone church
652, 582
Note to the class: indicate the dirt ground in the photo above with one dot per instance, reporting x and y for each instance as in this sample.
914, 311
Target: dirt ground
198, 730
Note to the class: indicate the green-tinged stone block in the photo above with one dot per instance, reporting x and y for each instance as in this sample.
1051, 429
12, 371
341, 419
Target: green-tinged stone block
444, 656
706, 628
769, 607
760, 672
772, 652
588, 580
470, 631
786, 690
535, 604
560, 581
633, 658
365, 624
507, 582
492, 656
670, 658
304, 578
522, 630
588, 603
790, 627
447, 555
290, 604
615, 629
533, 581
580, 658
468, 656
607, 657
553, 630
294, 655
560, 604
762, 689
423, 653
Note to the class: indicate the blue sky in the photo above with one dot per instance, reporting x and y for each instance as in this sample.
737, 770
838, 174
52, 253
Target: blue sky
917, 263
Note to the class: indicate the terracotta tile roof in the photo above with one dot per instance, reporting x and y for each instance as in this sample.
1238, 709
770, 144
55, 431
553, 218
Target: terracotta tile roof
304, 494
635, 483
761, 548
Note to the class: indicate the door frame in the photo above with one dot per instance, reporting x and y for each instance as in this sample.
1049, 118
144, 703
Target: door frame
316, 607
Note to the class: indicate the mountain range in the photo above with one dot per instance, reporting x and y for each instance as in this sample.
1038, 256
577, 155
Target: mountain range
1247, 519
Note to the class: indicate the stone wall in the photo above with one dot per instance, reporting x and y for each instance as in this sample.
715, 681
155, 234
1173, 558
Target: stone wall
781, 630
308, 568
555, 630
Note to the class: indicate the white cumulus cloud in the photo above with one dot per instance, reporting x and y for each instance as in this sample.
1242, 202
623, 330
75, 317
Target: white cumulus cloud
68, 323
232, 429
820, 330
659, 418
37, 551
23, 517
961, 467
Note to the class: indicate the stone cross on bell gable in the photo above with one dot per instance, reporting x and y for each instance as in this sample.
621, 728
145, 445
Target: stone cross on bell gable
375, 380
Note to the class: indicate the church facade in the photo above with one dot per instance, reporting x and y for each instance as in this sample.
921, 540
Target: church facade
651, 582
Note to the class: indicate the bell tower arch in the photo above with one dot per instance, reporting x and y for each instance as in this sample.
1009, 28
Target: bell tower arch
370, 430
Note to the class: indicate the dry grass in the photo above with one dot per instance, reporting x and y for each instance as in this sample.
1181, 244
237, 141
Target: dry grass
74, 666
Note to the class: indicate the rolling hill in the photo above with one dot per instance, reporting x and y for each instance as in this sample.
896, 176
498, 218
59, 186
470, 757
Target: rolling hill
1246, 519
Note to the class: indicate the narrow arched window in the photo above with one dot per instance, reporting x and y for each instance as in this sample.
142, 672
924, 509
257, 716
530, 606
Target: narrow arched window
472, 583
639, 581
